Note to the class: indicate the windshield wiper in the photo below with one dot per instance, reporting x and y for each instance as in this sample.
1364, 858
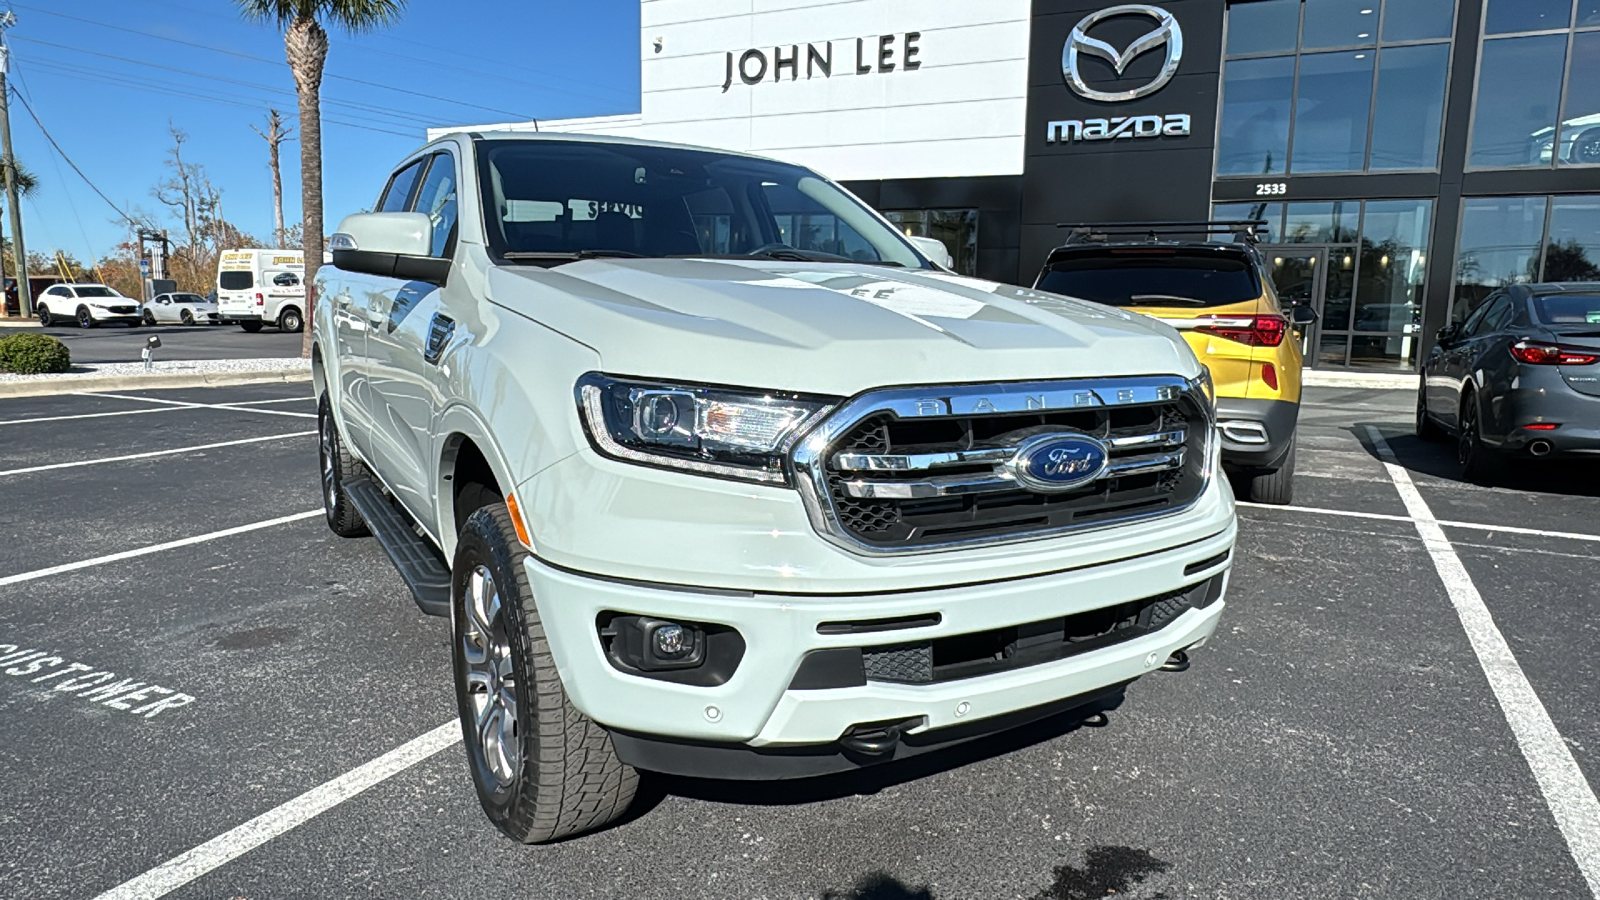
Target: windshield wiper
1161, 300
569, 255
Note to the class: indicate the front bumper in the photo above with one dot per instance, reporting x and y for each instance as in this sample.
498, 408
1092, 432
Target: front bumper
757, 707
1256, 434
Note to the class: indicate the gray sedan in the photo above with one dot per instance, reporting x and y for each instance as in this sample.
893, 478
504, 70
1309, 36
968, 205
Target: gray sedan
1520, 377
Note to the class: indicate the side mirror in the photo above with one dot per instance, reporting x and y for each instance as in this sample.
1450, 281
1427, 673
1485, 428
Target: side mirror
1448, 334
390, 245
1302, 315
934, 249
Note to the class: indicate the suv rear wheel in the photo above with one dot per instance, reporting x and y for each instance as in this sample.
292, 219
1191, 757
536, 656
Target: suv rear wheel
541, 769
1479, 463
1276, 487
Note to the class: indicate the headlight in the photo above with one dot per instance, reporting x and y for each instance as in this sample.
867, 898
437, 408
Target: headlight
1207, 387
727, 433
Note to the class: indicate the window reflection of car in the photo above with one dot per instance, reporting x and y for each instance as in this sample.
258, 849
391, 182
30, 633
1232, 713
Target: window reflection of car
1388, 317
1580, 142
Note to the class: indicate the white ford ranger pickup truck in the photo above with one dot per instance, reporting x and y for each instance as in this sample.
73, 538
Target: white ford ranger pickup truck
715, 474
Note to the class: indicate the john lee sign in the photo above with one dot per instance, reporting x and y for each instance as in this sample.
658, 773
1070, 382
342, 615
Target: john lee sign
879, 54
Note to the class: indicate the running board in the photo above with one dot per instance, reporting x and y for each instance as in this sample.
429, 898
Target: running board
416, 560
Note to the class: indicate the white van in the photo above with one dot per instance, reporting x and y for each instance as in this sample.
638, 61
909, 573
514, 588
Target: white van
262, 287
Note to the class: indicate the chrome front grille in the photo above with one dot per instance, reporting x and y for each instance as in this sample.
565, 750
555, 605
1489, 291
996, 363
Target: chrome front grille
932, 468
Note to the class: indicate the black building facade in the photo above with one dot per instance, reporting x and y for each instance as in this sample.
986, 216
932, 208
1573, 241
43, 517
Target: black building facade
1408, 155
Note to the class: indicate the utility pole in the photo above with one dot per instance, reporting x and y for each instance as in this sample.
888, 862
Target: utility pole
8, 19
275, 134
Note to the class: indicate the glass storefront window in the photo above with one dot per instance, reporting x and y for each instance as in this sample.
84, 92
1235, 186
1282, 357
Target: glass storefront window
1419, 20
1271, 213
1331, 111
1256, 98
1394, 242
1580, 117
1272, 26
1519, 90
1339, 23
1506, 16
1572, 252
1500, 240
957, 229
1344, 119
1588, 13
1332, 222
1405, 126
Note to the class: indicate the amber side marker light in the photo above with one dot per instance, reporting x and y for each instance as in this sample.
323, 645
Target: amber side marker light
516, 521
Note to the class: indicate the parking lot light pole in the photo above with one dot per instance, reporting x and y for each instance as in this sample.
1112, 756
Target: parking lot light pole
19, 255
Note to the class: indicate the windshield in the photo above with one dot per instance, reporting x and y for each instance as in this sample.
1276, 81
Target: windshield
96, 291
1567, 309
552, 201
1139, 277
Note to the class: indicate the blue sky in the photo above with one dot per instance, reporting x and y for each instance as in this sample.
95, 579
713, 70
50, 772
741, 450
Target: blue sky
106, 76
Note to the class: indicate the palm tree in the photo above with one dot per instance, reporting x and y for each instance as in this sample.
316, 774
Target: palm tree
27, 185
305, 44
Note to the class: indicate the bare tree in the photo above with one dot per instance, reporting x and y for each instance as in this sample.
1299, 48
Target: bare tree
277, 132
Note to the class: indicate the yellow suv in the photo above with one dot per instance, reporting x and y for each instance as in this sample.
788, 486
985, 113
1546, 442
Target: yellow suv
1218, 294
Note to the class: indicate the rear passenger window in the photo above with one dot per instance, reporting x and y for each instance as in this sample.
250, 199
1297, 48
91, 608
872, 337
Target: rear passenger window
438, 200
398, 193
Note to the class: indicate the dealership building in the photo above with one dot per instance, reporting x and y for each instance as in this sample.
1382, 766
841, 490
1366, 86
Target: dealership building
1408, 156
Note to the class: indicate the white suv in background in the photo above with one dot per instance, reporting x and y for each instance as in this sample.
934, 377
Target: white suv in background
87, 304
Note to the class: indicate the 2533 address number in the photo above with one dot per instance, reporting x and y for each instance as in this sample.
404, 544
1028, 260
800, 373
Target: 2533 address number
1271, 189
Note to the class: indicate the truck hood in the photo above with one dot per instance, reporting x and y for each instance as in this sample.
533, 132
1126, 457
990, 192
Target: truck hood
832, 328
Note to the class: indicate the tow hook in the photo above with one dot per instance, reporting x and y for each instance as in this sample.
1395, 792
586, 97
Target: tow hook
876, 738
1177, 662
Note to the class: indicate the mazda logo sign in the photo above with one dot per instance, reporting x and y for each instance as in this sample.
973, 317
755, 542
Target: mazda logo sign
1167, 34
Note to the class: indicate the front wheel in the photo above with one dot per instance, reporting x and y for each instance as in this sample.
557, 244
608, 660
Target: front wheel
251, 327
289, 320
542, 770
85, 320
186, 317
337, 466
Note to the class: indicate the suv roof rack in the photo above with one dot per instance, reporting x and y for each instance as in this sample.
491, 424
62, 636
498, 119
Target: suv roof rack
1243, 231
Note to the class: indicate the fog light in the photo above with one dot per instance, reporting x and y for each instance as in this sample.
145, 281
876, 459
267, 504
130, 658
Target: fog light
651, 645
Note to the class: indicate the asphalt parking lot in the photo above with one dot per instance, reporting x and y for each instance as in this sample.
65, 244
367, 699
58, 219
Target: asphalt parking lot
1358, 728
119, 343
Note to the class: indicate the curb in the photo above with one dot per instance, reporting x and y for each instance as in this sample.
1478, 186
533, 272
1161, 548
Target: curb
148, 382
1359, 380
17, 322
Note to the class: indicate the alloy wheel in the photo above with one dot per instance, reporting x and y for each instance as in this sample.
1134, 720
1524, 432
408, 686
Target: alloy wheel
1467, 441
84, 319
491, 678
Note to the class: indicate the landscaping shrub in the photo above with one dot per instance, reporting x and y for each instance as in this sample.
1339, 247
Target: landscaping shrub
33, 354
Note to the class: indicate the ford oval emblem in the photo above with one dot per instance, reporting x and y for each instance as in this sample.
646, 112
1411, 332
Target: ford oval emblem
1049, 463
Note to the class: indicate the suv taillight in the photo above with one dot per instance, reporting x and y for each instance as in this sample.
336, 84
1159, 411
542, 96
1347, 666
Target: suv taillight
1538, 353
1252, 331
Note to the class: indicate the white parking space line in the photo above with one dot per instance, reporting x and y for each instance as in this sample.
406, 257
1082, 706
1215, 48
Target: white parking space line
184, 404
154, 548
1568, 794
1448, 523
154, 453
230, 845
98, 415
306, 399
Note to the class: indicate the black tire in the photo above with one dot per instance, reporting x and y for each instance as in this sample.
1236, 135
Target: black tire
1585, 148
251, 327
85, 320
45, 318
565, 777
186, 317
336, 465
149, 317
290, 320
1427, 428
1276, 487
1479, 463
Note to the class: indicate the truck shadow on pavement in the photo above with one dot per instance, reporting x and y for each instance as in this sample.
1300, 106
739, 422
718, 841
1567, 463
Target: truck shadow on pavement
1106, 872
1573, 477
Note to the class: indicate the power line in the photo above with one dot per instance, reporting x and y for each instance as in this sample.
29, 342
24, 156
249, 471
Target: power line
249, 84
63, 153
260, 59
